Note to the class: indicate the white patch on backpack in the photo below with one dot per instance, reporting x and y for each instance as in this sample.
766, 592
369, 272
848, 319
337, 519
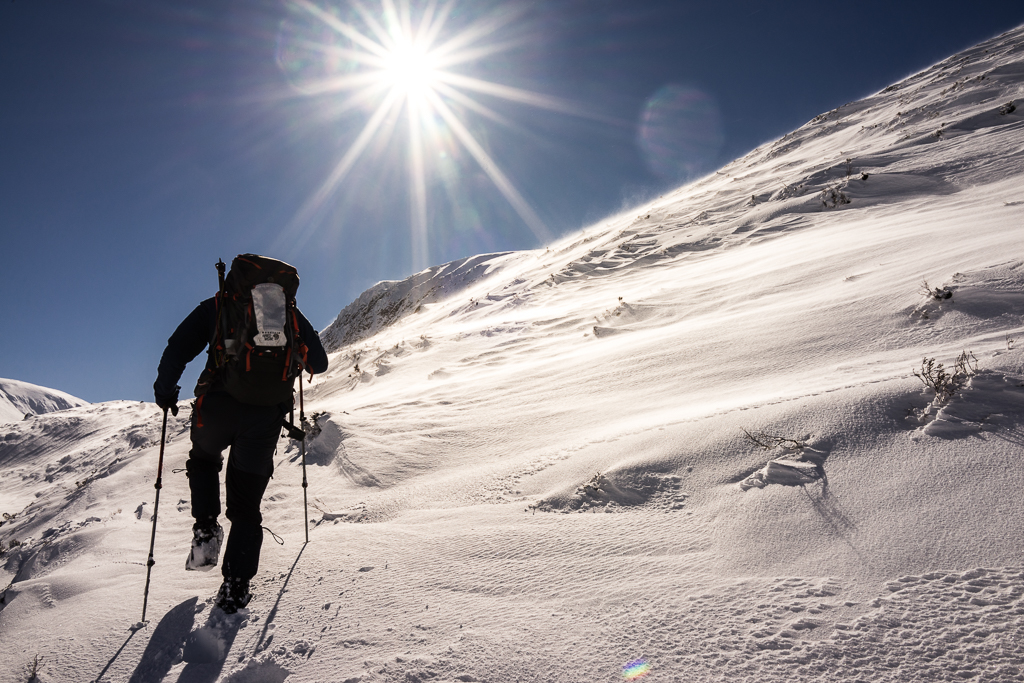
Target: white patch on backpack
268, 303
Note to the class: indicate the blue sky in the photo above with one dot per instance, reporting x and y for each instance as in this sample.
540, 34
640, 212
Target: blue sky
140, 141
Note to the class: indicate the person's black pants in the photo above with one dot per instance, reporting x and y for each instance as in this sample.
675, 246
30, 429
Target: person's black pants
220, 421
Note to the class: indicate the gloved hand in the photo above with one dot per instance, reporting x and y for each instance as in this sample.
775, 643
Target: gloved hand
169, 401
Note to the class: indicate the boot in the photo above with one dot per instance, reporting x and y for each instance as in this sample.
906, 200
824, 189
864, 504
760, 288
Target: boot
233, 595
206, 541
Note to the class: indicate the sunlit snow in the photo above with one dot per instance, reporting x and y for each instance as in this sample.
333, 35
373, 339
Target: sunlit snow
542, 465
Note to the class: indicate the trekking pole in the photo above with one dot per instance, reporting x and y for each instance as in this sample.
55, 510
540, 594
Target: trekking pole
302, 448
156, 507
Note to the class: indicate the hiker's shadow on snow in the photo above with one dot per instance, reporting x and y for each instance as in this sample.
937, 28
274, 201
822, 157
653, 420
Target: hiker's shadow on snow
211, 645
165, 643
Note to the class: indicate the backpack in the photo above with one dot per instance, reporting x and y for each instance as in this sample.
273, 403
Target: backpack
256, 351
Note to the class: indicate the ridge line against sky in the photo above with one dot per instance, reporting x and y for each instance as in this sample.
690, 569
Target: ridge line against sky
143, 141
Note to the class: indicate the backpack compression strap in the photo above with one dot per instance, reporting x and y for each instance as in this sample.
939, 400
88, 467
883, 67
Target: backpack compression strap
300, 352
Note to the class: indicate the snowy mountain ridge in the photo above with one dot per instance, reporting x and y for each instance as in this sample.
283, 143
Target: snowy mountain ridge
18, 399
735, 376
388, 301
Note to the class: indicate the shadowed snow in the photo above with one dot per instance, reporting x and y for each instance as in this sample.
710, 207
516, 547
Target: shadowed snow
536, 465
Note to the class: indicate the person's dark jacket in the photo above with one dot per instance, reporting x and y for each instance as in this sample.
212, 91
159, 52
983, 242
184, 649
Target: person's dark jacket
196, 331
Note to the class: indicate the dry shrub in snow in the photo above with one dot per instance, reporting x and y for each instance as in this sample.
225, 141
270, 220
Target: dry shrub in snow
311, 424
945, 384
831, 197
11, 546
937, 293
935, 300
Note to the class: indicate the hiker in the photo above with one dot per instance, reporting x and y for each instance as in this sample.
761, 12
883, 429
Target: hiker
258, 343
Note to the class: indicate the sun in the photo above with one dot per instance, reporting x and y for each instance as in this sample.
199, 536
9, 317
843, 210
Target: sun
398, 55
410, 69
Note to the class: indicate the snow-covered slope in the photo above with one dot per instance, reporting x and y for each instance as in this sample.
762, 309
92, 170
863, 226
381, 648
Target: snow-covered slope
18, 399
726, 375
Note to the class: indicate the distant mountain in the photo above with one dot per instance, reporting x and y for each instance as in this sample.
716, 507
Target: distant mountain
18, 399
391, 300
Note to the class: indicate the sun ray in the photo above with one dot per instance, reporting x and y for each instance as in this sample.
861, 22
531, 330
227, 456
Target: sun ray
425, 19
500, 180
478, 31
366, 15
316, 201
341, 27
429, 33
526, 97
327, 85
389, 14
470, 103
417, 188
359, 99
393, 21
425, 28
509, 93
405, 19
362, 58
473, 54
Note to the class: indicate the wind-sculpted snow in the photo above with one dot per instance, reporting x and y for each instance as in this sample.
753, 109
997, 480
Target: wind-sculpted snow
49, 455
50, 468
687, 441
990, 401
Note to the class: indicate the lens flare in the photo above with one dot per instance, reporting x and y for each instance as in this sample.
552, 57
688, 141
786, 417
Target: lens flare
638, 668
680, 132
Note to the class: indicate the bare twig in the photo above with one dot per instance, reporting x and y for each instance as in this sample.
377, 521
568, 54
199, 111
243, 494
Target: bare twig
320, 506
33, 674
966, 364
770, 441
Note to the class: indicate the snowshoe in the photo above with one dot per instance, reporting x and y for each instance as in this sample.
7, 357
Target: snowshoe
206, 542
233, 595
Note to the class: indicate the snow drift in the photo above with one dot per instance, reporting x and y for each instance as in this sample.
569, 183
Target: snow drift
710, 439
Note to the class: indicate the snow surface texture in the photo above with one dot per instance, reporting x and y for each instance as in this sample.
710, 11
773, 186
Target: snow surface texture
478, 416
19, 400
